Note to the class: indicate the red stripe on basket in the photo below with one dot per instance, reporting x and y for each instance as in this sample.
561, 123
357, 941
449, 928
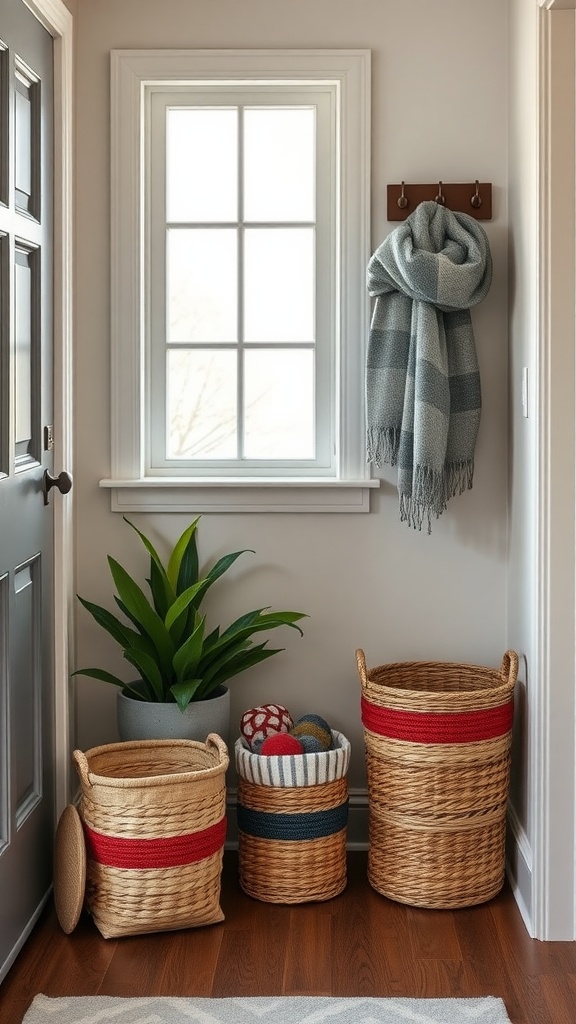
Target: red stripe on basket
438, 726
174, 851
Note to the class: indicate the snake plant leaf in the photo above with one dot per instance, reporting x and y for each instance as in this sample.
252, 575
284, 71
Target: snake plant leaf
244, 627
223, 564
183, 562
181, 605
148, 669
146, 641
143, 615
211, 638
140, 638
238, 663
101, 674
187, 657
118, 631
185, 691
162, 592
212, 663
125, 636
257, 620
181, 615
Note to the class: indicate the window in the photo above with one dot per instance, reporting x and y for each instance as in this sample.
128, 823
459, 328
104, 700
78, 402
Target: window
239, 307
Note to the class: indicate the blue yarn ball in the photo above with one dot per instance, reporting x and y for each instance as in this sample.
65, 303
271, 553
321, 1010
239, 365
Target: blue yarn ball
316, 726
311, 744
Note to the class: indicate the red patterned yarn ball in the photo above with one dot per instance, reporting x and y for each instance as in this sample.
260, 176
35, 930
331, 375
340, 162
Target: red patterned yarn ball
281, 743
267, 719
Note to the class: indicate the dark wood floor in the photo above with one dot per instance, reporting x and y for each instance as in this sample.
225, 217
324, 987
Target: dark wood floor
357, 944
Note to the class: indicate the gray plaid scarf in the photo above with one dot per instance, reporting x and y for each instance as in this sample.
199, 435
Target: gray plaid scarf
422, 380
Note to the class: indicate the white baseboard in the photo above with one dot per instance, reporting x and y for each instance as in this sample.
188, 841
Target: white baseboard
519, 868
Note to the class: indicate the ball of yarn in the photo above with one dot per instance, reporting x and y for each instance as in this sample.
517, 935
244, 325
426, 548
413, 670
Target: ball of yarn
315, 726
311, 745
258, 723
280, 743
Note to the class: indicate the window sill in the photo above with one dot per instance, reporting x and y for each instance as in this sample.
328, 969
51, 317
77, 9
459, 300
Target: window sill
159, 494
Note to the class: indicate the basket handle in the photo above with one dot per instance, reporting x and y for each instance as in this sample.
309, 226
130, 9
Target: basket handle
214, 740
509, 669
82, 765
361, 665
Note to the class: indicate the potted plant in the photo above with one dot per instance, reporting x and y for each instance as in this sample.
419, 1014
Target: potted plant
182, 665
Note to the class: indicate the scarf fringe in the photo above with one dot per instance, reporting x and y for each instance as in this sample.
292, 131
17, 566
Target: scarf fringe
431, 492
382, 445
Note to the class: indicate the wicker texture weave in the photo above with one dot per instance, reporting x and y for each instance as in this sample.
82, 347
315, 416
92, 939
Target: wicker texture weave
159, 807
437, 810
292, 839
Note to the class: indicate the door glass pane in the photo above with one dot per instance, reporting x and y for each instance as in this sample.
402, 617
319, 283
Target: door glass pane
201, 269
279, 404
201, 404
23, 361
4, 122
279, 285
5, 410
202, 164
279, 164
23, 163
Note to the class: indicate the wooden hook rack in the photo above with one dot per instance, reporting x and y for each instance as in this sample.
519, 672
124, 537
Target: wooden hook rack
474, 198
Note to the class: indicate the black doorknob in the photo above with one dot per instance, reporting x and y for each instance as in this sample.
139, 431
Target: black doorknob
63, 482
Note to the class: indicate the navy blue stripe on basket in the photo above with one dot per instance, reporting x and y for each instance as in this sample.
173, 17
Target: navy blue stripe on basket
312, 825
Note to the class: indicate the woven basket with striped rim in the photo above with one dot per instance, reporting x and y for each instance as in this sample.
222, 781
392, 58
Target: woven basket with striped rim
153, 813
292, 823
437, 738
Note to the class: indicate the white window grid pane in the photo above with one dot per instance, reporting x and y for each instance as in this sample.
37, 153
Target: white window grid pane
279, 163
201, 160
201, 403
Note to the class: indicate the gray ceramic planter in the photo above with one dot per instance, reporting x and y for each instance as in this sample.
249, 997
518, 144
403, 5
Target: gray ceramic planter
143, 720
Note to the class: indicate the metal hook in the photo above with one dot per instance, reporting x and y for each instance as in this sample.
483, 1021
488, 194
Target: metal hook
440, 198
476, 200
402, 201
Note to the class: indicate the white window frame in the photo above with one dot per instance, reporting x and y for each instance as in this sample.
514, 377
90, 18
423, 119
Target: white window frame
131, 488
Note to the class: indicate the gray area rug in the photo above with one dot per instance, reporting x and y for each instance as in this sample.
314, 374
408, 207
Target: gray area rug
261, 1010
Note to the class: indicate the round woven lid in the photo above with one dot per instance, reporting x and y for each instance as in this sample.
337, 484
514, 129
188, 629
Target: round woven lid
69, 869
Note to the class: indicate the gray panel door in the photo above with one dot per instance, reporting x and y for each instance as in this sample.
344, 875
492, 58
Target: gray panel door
26, 523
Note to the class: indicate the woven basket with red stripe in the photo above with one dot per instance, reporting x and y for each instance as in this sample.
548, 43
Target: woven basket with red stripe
153, 813
437, 737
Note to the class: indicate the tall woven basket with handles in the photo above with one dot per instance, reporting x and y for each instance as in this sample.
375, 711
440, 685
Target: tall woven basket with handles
437, 738
153, 813
292, 823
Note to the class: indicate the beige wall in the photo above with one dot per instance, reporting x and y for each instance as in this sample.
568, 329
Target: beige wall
439, 111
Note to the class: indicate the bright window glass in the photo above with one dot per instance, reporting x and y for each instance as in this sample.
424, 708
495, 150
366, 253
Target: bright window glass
201, 284
279, 164
279, 404
279, 284
201, 403
201, 161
